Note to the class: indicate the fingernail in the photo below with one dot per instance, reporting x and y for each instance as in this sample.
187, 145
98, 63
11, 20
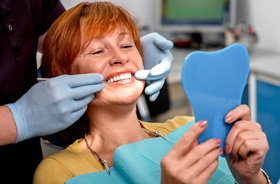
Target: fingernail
227, 149
202, 124
220, 150
218, 141
228, 119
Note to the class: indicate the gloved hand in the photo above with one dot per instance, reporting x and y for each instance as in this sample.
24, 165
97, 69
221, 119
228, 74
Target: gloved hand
52, 105
157, 63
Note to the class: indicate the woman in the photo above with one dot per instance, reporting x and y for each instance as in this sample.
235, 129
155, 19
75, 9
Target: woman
108, 43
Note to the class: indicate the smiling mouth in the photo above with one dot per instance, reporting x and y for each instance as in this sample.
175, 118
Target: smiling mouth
120, 77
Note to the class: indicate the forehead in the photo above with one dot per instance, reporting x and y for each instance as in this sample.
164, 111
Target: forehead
88, 34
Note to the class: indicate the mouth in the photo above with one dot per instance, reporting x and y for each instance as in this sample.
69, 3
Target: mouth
120, 77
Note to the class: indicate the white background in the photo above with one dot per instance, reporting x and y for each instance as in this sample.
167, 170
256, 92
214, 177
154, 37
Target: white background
263, 15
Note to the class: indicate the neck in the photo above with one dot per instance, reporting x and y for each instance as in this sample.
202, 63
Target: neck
112, 128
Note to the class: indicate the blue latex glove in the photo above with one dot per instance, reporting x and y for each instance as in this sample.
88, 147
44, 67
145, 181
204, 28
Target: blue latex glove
157, 63
54, 104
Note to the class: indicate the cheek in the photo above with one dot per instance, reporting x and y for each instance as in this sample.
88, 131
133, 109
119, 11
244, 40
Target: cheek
85, 67
140, 63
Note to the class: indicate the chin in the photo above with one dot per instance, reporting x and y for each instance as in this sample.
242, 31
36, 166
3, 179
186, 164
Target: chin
131, 95
118, 95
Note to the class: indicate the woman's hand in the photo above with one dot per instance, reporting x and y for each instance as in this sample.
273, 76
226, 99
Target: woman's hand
246, 146
190, 162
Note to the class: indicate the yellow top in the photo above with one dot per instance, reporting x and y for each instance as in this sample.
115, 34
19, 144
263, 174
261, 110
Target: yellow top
72, 161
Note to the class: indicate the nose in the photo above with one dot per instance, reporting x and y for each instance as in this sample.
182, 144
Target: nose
118, 57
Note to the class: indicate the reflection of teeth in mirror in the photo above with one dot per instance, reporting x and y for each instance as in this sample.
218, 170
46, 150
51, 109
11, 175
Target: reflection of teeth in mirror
120, 77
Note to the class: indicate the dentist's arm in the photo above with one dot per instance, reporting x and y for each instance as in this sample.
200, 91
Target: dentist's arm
49, 107
8, 130
157, 63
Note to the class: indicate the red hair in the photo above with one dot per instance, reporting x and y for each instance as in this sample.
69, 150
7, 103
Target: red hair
64, 39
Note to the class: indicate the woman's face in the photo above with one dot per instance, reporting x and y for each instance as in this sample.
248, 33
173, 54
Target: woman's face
116, 57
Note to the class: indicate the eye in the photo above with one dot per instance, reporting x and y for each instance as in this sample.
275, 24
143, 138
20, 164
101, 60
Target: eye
96, 52
127, 46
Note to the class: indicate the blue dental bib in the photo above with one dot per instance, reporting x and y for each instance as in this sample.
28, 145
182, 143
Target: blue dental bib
139, 163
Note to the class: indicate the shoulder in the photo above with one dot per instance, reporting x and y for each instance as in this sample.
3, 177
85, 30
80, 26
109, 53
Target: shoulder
168, 126
48, 10
53, 169
64, 165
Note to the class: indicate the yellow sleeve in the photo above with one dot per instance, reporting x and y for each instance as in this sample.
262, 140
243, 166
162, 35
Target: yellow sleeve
66, 164
51, 171
168, 126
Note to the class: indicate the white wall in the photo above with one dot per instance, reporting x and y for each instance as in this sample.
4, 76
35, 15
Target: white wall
263, 15
141, 9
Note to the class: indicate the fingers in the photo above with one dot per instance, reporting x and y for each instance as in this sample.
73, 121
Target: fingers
179, 172
154, 96
81, 103
162, 43
240, 127
244, 139
79, 79
188, 139
246, 143
77, 114
246, 148
142, 75
240, 112
203, 154
75, 87
206, 166
72, 110
84, 91
154, 87
146, 75
190, 162
250, 144
163, 68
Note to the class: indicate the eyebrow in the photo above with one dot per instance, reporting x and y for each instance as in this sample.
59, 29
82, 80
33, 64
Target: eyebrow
122, 34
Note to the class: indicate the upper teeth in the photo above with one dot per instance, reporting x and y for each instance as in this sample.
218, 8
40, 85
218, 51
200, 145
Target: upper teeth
120, 77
